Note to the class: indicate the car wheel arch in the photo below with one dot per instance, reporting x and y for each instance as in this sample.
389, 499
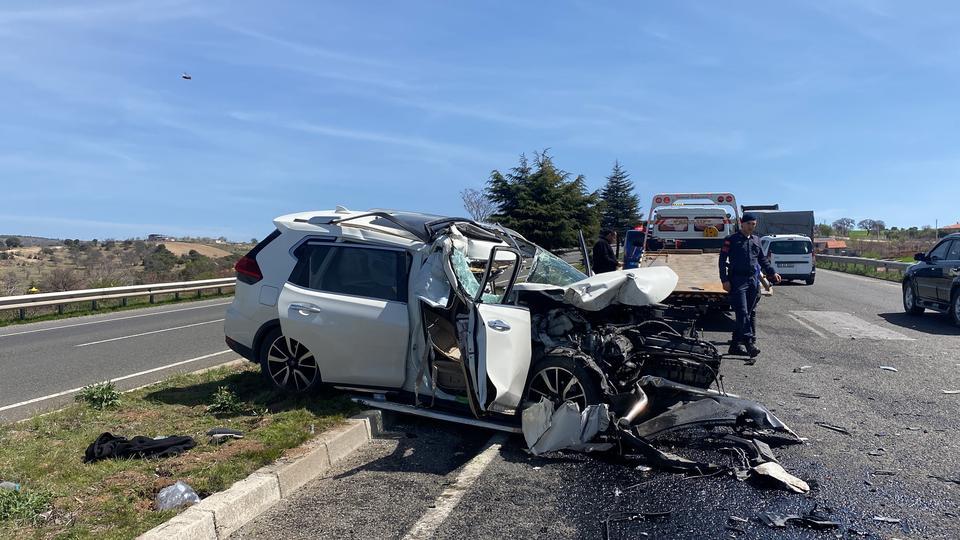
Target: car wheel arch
264, 329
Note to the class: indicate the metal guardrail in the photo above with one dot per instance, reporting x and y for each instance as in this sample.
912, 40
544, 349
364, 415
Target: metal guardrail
876, 264
60, 299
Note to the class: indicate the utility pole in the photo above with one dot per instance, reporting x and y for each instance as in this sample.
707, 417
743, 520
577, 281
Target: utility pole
936, 230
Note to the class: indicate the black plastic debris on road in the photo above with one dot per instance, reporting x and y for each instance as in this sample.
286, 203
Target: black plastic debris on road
833, 427
806, 395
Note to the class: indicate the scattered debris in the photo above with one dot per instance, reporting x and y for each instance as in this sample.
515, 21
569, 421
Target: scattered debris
815, 519
951, 391
776, 472
889, 368
806, 395
546, 429
220, 435
737, 524
955, 480
111, 446
832, 427
175, 496
10, 486
620, 517
801, 369
885, 519
877, 452
883, 472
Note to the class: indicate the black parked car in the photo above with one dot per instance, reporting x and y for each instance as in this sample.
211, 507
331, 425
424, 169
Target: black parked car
934, 282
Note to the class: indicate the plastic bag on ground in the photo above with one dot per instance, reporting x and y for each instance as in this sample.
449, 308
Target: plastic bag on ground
175, 496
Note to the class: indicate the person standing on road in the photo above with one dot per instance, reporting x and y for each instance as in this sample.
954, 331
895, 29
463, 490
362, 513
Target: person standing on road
740, 257
603, 258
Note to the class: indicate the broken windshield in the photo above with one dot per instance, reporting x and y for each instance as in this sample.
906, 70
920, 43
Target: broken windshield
552, 270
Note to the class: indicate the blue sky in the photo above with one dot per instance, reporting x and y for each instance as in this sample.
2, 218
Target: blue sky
849, 108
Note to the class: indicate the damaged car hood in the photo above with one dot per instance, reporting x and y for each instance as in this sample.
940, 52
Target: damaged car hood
636, 287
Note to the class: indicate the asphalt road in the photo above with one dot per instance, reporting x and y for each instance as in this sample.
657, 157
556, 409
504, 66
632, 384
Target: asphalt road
436, 480
41, 363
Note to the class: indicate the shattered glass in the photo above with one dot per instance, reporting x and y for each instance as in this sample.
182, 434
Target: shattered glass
469, 282
552, 270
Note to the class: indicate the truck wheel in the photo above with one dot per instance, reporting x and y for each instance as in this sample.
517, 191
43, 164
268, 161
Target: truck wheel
809, 280
910, 299
562, 378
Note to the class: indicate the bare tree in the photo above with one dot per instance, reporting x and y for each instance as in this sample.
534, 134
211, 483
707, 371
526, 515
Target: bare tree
842, 226
61, 279
476, 203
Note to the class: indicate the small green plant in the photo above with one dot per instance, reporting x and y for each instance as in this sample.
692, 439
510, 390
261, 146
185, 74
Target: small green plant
226, 403
23, 506
100, 396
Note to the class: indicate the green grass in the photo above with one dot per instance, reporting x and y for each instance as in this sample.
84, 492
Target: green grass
80, 309
860, 270
113, 499
100, 396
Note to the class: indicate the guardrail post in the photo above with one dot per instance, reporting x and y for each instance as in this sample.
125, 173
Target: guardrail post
23, 314
123, 302
93, 305
176, 296
151, 299
59, 309
199, 293
219, 291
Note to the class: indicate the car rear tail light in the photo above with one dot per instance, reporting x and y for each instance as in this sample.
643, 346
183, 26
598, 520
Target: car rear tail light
658, 200
248, 271
666, 200
720, 199
729, 198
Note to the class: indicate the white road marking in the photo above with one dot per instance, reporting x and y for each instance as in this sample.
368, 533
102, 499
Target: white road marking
132, 375
450, 497
876, 281
807, 326
110, 320
848, 326
148, 333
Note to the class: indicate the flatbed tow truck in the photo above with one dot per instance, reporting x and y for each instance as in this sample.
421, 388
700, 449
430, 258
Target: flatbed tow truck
685, 232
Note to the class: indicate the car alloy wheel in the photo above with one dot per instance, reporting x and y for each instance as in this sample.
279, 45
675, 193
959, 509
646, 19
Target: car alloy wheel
291, 366
956, 307
558, 385
910, 300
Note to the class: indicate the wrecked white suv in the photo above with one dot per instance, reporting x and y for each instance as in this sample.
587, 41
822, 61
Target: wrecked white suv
453, 319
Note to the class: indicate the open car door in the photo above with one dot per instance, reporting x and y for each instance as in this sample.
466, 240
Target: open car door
497, 335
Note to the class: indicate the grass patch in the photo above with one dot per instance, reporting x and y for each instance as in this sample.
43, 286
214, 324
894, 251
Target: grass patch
81, 309
100, 396
62, 497
860, 270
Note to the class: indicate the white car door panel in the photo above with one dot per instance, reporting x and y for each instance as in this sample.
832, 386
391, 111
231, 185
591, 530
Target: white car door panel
502, 334
356, 340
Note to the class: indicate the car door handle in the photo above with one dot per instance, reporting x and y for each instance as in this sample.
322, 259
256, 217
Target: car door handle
499, 325
306, 308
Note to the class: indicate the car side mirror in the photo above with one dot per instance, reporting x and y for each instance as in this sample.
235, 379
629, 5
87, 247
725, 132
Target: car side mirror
920, 257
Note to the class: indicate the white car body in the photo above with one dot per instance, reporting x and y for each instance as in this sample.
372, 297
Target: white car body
371, 326
791, 255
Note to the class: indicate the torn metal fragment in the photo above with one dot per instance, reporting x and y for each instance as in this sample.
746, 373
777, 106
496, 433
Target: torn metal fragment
885, 519
832, 427
775, 471
889, 368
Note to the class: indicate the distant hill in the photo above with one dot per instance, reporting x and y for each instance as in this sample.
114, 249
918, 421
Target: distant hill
33, 241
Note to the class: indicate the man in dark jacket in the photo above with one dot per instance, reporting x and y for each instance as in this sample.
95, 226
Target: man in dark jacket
603, 258
740, 257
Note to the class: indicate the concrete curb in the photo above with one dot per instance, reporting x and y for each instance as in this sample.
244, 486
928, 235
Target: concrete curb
221, 514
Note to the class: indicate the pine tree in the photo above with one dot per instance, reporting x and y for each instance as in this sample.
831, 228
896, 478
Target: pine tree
543, 203
620, 206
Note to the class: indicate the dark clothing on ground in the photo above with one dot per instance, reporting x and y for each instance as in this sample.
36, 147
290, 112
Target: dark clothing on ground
740, 257
111, 446
603, 258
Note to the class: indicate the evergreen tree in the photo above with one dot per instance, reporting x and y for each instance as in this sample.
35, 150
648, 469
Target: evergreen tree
620, 206
543, 203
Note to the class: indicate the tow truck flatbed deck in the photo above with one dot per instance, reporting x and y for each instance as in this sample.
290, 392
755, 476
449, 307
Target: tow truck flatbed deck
697, 270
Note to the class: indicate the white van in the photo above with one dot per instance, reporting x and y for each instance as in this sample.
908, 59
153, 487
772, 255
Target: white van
791, 255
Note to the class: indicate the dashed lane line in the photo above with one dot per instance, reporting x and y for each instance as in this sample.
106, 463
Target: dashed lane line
450, 497
148, 333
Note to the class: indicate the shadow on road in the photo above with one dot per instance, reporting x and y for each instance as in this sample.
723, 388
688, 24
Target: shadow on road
928, 323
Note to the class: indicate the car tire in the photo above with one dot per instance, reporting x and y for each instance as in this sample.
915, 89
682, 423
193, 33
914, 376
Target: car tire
910, 299
287, 364
551, 378
955, 309
809, 280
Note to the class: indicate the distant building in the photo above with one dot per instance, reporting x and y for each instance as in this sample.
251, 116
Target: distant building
830, 246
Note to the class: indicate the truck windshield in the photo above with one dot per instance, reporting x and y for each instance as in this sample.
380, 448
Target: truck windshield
791, 247
552, 270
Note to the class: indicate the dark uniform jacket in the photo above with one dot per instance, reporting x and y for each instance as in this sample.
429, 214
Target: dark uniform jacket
603, 258
740, 256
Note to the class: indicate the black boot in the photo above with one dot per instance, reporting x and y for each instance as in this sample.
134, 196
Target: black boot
753, 350
736, 349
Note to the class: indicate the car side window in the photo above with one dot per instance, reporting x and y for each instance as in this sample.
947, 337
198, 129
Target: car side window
352, 270
940, 252
953, 254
